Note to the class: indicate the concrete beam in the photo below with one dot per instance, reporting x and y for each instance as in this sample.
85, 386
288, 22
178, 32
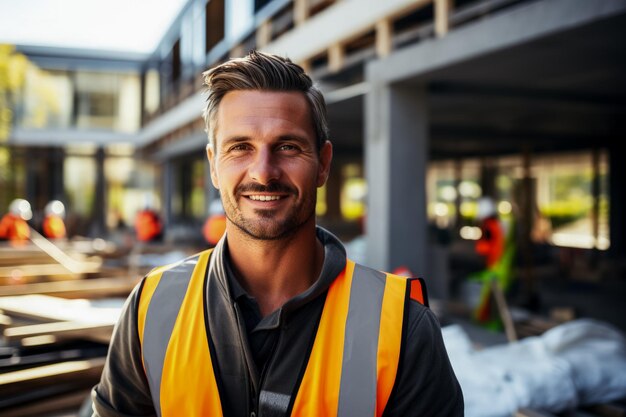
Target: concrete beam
187, 111
503, 30
63, 137
342, 21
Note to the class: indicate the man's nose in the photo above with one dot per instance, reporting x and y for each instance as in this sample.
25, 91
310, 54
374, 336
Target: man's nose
264, 168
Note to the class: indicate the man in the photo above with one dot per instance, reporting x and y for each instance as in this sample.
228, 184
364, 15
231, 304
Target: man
497, 258
13, 225
274, 321
53, 226
148, 225
491, 244
215, 225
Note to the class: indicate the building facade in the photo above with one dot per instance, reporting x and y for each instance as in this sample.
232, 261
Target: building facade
432, 103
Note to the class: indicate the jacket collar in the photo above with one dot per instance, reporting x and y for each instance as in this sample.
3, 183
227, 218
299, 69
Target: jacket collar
334, 263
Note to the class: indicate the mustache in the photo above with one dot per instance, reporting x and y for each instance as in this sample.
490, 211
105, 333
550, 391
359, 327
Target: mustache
272, 187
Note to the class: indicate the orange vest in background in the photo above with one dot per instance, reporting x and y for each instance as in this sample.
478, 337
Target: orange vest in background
14, 228
147, 226
53, 227
214, 229
491, 243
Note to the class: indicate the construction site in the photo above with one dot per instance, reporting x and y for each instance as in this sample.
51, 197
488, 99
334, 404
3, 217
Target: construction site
444, 115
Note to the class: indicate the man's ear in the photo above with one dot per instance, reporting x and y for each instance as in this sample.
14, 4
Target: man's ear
211, 157
326, 157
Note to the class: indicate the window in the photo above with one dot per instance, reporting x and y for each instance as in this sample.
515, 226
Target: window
214, 15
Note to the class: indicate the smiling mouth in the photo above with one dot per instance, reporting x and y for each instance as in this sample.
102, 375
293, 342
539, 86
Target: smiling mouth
264, 197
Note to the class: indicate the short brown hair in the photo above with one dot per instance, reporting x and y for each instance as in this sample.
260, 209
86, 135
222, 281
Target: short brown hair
262, 71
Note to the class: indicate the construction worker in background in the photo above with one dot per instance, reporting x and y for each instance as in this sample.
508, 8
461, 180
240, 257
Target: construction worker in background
215, 224
148, 227
490, 246
497, 250
53, 226
14, 226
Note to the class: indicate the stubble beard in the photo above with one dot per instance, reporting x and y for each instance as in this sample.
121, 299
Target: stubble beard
265, 225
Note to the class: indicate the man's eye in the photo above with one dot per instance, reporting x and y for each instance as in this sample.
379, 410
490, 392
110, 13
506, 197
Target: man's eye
239, 147
287, 147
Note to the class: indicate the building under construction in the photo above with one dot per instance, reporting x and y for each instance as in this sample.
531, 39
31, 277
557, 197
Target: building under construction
432, 104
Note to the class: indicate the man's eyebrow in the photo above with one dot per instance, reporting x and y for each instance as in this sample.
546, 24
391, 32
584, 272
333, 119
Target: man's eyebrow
234, 139
293, 138
282, 138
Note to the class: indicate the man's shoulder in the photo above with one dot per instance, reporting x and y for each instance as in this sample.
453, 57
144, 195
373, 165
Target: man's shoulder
188, 262
416, 286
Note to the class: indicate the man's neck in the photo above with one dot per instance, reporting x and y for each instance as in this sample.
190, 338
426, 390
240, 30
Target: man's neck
274, 271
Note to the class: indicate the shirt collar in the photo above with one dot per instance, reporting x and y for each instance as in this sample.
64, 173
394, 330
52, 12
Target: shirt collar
334, 263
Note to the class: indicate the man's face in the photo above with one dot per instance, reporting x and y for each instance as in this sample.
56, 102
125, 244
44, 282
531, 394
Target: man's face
265, 162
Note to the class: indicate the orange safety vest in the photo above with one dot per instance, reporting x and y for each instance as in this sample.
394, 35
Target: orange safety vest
53, 227
214, 228
491, 243
14, 228
180, 372
147, 225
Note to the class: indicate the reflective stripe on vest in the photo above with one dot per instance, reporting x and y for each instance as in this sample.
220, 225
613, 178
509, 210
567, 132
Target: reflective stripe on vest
352, 367
173, 336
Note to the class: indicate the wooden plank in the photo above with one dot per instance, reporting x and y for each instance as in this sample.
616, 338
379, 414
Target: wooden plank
18, 273
41, 376
45, 308
384, 37
504, 312
237, 51
264, 33
69, 401
336, 57
87, 288
62, 329
306, 66
5, 321
300, 12
77, 266
12, 257
443, 9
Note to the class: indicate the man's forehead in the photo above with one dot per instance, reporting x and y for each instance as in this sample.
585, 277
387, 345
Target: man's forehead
246, 108
263, 98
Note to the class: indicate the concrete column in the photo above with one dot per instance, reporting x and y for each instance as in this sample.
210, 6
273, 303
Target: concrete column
488, 176
333, 191
396, 154
57, 190
210, 192
33, 188
98, 213
617, 197
167, 182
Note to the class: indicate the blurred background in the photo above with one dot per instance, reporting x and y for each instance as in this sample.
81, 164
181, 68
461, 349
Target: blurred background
435, 107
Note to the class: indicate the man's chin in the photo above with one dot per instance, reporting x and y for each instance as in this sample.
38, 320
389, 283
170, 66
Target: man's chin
267, 233
267, 228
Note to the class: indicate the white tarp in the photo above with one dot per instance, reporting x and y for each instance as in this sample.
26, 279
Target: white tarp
578, 362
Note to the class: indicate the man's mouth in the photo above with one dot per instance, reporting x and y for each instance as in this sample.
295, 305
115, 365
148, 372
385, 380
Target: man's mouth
260, 197
272, 192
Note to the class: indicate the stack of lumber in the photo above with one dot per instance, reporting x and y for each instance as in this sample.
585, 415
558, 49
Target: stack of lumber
53, 349
59, 302
43, 260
